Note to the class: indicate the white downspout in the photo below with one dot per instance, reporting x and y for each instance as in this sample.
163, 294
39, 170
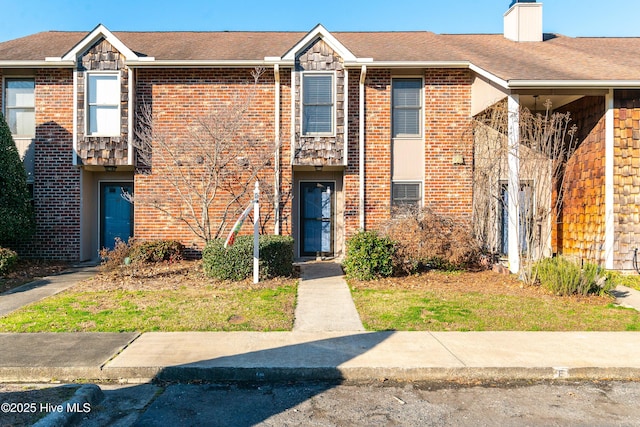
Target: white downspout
361, 164
130, 106
276, 190
513, 190
609, 217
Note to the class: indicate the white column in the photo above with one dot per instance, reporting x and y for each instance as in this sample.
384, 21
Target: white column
513, 160
609, 218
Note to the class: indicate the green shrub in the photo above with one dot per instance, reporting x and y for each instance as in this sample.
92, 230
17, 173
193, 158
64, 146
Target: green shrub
16, 213
369, 256
236, 262
564, 277
7, 259
156, 251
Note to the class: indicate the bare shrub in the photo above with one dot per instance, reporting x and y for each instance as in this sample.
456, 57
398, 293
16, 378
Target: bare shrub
425, 239
112, 259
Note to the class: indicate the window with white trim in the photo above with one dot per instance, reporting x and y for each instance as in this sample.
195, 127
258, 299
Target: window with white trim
317, 104
20, 106
103, 104
406, 102
406, 194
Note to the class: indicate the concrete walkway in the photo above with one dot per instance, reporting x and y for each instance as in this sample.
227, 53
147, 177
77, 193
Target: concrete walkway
324, 301
40, 289
326, 343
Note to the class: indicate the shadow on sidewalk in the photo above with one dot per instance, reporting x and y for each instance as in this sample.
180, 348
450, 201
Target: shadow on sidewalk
236, 400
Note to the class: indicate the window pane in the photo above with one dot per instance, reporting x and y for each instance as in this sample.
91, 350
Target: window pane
20, 93
317, 108
317, 118
406, 92
406, 122
318, 89
22, 121
104, 120
104, 90
406, 194
407, 102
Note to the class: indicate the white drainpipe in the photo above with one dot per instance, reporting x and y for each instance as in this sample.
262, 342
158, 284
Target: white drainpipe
363, 75
276, 190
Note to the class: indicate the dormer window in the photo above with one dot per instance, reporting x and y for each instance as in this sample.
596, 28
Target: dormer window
103, 104
317, 104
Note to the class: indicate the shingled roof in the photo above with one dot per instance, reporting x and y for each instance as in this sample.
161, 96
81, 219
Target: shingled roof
558, 58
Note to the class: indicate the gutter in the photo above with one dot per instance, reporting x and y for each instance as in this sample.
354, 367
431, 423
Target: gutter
166, 63
573, 84
47, 63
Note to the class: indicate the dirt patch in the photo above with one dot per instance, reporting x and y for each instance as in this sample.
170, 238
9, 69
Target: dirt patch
167, 276
28, 270
485, 282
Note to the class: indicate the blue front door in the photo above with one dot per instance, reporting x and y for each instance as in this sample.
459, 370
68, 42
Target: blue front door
116, 213
316, 213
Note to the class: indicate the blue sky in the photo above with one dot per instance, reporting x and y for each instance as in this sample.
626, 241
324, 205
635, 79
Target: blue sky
569, 17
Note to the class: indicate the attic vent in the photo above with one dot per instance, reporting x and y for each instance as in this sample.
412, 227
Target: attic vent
523, 21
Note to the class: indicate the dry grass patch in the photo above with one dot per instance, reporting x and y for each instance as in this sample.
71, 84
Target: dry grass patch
481, 301
160, 297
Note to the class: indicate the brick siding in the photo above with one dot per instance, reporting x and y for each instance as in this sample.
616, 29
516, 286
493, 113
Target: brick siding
56, 191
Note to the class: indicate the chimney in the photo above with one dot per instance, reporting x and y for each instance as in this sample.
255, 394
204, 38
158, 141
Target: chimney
523, 21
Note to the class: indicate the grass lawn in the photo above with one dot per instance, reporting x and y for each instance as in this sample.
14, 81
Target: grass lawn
167, 298
482, 301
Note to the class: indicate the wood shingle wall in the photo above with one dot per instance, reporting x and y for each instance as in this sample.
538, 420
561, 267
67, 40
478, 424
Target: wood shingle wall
103, 151
320, 150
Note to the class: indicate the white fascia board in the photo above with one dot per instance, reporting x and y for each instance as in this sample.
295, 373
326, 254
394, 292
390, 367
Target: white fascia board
407, 64
37, 64
171, 63
573, 84
489, 76
320, 31
100, 32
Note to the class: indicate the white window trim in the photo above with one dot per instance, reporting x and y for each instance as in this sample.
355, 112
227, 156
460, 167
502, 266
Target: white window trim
333, 75
420, 183
421, 114
3, 101
86, 103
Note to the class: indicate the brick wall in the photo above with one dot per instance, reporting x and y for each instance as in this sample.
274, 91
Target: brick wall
178, 99
377, 147
351, 184
580, 232
448, 187
626, 177
56, 180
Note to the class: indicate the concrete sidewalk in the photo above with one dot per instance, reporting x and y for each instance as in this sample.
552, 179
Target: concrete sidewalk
307, 353
293, 356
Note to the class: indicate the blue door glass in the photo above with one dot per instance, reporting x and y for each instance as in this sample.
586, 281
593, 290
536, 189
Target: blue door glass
116, 214
317, 220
